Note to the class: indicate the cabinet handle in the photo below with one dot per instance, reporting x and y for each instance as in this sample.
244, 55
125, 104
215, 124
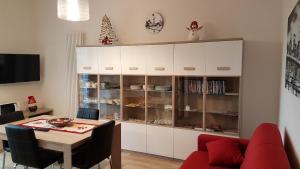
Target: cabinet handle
189, 68
109, 68
133, 68
160, 68
223, 68
87, 67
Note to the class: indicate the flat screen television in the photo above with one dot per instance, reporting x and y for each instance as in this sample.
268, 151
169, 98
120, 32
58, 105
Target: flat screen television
19, 68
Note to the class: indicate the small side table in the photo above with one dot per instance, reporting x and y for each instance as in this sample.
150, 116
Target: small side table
38, 112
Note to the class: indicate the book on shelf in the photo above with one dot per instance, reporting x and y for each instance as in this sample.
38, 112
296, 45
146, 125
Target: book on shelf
216, 87
192, 86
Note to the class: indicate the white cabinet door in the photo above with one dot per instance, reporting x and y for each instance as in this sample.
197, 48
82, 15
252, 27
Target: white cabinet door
109, 60
160, 141
87, 60
159, 59
189, 59
224, 58
134, 137
185, 142
133, 60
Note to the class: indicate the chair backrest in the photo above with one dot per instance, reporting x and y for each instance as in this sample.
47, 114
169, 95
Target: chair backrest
8, 118
100, 144
23, 145
7, 108
11, 117
87, 113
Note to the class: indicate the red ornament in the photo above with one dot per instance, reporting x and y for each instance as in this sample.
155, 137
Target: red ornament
32, 106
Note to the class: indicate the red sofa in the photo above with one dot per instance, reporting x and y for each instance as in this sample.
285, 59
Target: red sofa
263, 151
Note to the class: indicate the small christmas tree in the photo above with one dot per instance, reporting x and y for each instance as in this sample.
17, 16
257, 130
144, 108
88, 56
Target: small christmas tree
107, 34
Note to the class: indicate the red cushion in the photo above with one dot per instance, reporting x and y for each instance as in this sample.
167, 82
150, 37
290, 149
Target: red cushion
205, 138
224, 152
199, 160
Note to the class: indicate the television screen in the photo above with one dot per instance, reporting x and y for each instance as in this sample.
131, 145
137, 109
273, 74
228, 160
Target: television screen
19, 68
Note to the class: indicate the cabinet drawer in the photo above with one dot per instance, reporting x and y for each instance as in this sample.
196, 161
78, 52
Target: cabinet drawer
159, 59
224, 58
185, 142
109, 60
189, 59
87, 60
134, 137
160, 141
133, 60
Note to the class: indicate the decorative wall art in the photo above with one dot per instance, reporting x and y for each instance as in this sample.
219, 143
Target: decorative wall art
107, 34
154, 23
292, 75
194, 31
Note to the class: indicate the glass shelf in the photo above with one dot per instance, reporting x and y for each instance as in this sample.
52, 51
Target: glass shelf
159, 100
134, 99
222, 104
109, 97
189, 102
88, 91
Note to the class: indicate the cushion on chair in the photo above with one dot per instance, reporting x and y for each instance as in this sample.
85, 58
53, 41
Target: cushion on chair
224, 152
199, 160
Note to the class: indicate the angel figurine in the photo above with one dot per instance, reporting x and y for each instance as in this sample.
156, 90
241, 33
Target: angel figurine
194, 31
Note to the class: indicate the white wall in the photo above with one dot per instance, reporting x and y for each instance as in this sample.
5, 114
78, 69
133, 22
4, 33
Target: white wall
258, 22
17, 35
289, 104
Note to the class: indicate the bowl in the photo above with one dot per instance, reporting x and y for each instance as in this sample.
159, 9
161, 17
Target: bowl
60, 122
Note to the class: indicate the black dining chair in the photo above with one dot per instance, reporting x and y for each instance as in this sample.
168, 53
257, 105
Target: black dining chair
96, 149
88, 113
25, 150
7, 108
8, 118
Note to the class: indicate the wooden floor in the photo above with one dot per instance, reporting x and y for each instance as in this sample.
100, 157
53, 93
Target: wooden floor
130, 160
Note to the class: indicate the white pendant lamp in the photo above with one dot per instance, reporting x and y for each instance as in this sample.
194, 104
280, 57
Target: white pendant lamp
73, 10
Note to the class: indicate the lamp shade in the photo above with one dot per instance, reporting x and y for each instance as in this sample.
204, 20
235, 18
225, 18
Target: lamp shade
73, 10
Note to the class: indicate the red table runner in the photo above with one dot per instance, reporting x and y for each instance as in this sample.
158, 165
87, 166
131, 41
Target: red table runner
75, 127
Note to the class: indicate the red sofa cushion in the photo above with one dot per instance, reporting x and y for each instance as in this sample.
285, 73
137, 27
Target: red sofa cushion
224, 152
203, 139
199, 160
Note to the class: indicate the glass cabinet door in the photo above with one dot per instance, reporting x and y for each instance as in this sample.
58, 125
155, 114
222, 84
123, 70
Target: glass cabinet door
189, 102
159, 100
109, 94
134, 99
222, 104
88, 97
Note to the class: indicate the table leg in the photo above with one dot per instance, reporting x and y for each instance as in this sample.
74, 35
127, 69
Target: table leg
67, 157
116, 148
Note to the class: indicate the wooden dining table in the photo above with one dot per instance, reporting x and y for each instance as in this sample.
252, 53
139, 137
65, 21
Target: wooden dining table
65, 141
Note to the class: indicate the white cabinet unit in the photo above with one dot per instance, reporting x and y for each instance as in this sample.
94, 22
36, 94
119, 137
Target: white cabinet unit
185, 142
134, 137
224, 58
133, 60
165, 95
159, 59
189, 59
160, 140
109, 60
87, 60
